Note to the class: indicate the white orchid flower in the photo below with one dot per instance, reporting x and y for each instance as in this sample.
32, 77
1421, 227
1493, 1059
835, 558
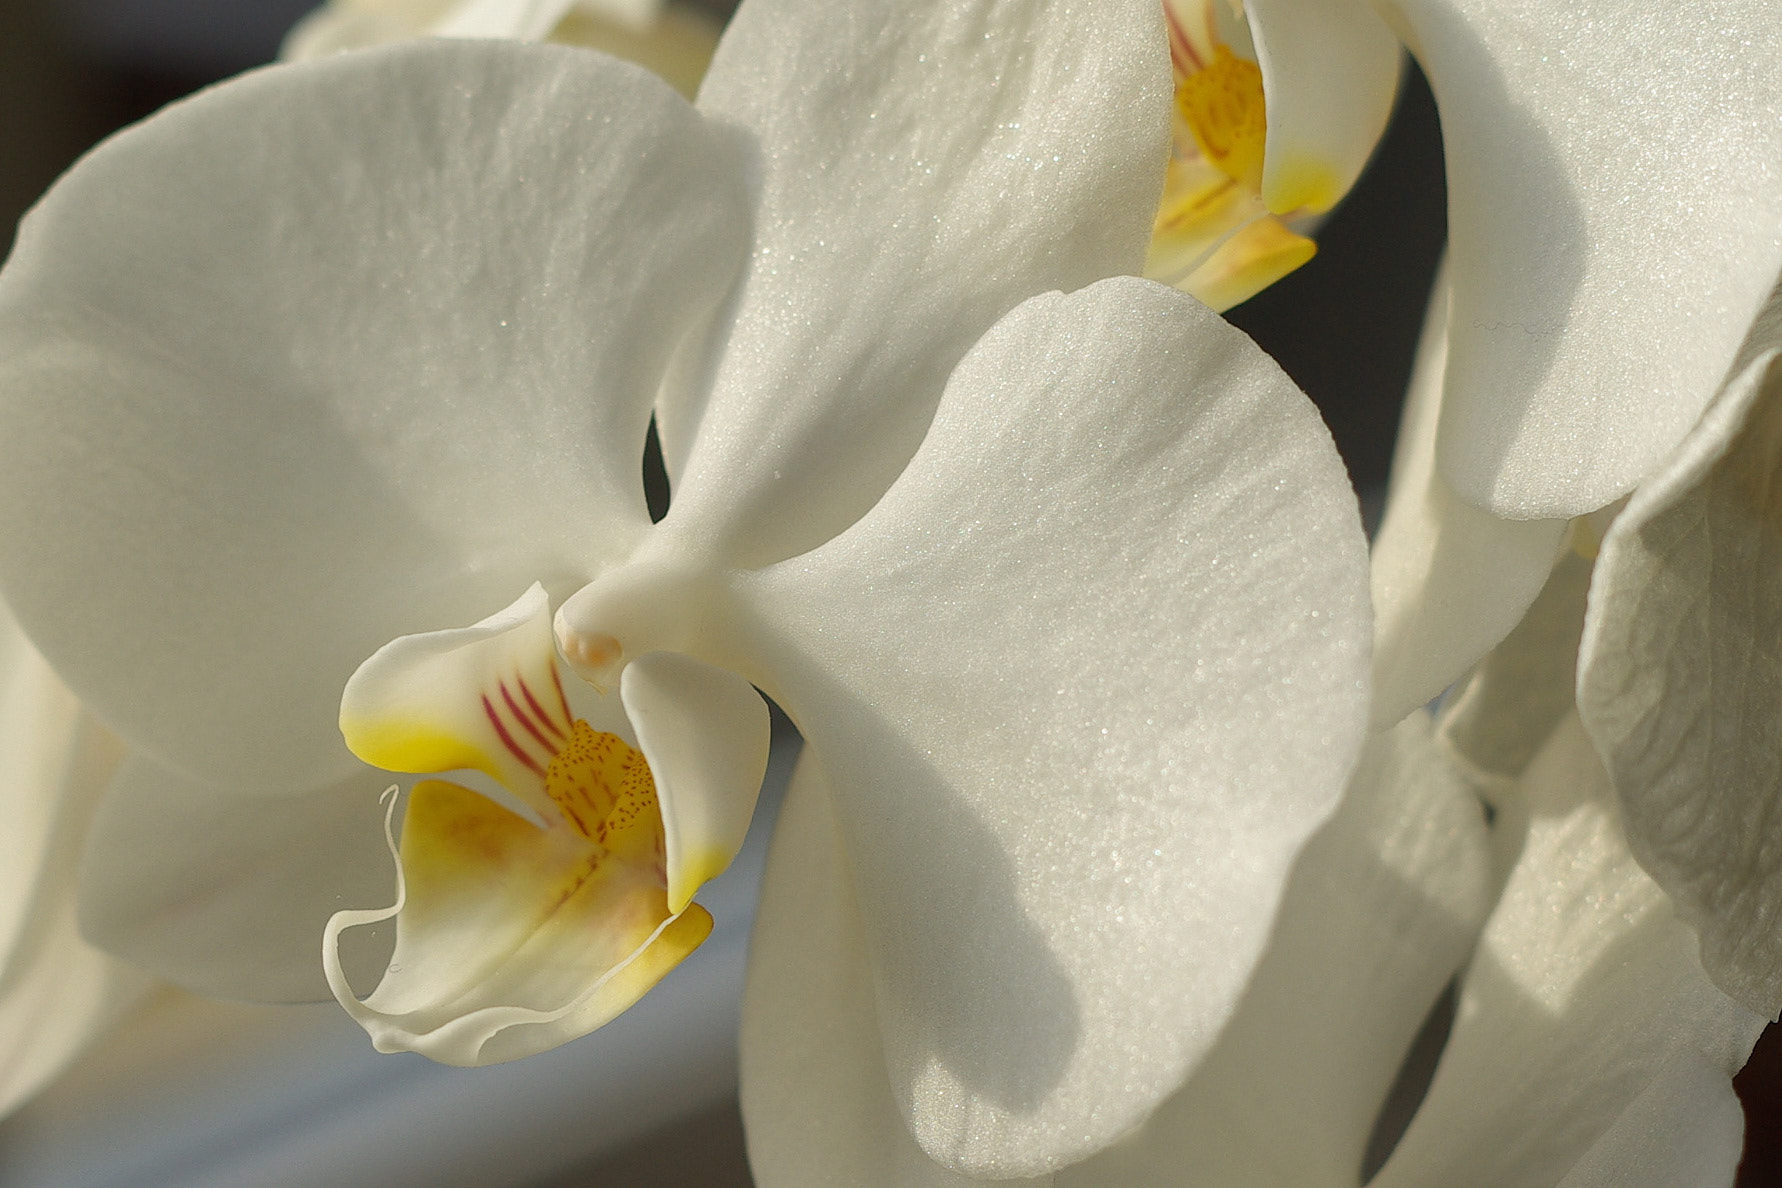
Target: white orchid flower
1660, 643
1238, 194
1064, 589
674, 40
1615, 190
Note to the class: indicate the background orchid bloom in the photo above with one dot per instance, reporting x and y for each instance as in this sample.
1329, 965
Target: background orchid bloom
1614, 189
1237, 195
1062, 584
1657, 641
675, 40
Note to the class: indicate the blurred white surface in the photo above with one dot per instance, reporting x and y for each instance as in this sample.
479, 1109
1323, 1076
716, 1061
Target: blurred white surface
195, 1094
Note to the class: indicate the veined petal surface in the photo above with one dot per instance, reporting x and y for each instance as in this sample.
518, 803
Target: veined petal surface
1330, 70
1614, 200
283, 383
1679, 676
889, 240
1383, 906
1449, 581
1583, 1002
816, 1097
1084, 681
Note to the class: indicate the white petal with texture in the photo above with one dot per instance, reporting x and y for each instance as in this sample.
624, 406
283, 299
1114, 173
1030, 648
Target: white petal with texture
888, 240
283, 383
1449, 581
1614, 221
705, 732
1584, 993
1384, 905
1679, 672
1084, 680
1330, 73
815, 1094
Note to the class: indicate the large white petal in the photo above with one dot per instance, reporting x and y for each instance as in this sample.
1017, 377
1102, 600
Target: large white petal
815, 1094
1084, 681
1330, 72
1614, 194
1383, 907
56, 990
228, 895
1584, 997
283, 382
1679, 675
919, 169
1449, 581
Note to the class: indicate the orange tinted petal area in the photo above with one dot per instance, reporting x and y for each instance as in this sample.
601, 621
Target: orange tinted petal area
607, 794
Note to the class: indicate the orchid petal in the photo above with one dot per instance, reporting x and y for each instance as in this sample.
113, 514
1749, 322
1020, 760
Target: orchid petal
1085, 680
227, 895
512, 939
816, 1097
1686, 1128
1449, 581
705, 732
284, 383
522, 20
56, 991
486, 698
1614, 189
1330, 72
1382, 908
1523, 688
1678, 678
1585, 990
889, 241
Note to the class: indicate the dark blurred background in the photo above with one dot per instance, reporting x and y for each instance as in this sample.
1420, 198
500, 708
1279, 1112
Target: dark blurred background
1344, 327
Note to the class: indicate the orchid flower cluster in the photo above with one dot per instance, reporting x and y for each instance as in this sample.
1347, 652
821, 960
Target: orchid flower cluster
1123, 848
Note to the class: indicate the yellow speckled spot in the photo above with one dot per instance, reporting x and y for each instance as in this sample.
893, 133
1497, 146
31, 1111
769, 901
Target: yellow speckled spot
1249, 262
607, 793
1223, 108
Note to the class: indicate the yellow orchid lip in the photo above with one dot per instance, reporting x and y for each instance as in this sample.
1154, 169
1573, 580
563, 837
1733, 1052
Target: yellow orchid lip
512, 935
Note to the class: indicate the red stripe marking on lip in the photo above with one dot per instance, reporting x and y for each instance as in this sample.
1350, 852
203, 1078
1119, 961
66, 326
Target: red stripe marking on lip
508, 740
563, 701
525, 720
526, 691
